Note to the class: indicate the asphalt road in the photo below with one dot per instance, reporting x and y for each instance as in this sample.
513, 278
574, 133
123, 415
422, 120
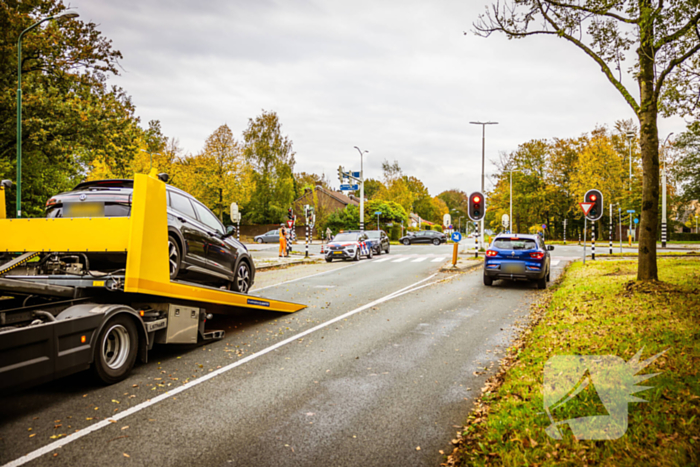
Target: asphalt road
380, 369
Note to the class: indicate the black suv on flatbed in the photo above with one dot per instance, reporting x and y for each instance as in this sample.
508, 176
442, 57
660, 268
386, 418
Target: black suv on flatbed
198, 245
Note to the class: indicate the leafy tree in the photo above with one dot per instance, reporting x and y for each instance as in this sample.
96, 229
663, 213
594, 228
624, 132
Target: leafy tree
666, 40
271, 159
687, 170
349, 218
456, 201
70, 115
372, 188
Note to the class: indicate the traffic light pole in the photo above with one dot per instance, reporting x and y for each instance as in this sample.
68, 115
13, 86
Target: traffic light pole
611, 223
593, 240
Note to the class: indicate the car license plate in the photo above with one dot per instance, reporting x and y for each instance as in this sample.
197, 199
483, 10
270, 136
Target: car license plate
84, 210
514, 268
337, 252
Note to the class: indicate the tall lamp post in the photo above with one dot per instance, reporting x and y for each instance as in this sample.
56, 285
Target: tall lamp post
362, 189
65, 14
663, 196
483, 162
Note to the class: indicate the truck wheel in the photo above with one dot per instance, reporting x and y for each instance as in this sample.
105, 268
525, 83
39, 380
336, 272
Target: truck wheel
241, 283
117, 346
173, 257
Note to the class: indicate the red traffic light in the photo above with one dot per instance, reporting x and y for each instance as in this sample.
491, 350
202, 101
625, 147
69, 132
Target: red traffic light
477, 199
594, 197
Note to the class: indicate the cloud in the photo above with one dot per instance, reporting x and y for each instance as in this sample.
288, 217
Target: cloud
398, 78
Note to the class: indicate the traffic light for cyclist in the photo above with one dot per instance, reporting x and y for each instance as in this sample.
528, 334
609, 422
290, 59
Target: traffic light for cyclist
594, 197
477, 206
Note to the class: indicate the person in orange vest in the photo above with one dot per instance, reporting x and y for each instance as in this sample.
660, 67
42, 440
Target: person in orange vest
283, 241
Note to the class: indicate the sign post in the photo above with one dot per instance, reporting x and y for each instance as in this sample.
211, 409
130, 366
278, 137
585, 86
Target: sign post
564, 231
586, 208
456, 238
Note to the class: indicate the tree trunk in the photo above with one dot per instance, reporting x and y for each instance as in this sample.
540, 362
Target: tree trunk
649, 142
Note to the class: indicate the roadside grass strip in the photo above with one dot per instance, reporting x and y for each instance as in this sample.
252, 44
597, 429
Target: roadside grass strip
598, 310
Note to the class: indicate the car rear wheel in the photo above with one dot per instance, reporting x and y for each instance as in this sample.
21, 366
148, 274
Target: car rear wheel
542, 283
406, 242
488, 280
387, 249
258, 240
173, 257
117, 346
379, 251
436, 242
241, 282
548, 276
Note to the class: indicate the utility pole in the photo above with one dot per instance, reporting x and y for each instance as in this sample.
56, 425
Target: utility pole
611, 225
483, 164
362, 189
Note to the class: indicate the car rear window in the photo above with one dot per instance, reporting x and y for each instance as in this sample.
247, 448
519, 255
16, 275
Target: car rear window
514, 244
182, 204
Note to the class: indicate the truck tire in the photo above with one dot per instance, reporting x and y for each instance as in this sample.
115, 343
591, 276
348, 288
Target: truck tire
116, 349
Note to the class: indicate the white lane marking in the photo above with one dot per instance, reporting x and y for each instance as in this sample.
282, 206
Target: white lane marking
384, 259
440, 258
303, 277
400, 260
144, 405
554, 263
418, 260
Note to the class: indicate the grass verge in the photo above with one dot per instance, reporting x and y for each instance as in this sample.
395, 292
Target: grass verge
598, 310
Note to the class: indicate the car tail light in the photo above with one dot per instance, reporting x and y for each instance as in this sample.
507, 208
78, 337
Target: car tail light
491, 253
537, 255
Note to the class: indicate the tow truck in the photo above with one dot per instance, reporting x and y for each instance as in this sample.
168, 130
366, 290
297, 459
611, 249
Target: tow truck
57, 317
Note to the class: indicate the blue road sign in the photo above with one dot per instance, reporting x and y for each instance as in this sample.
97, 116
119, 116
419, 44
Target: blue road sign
348, 187
376, 213
456, 237
356, 174
636, 220
631, 211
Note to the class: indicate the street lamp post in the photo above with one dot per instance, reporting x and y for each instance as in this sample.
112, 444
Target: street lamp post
362, 189
483, 163
65, 14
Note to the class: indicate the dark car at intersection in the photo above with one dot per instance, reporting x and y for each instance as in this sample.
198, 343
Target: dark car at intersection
378, 240
424, 236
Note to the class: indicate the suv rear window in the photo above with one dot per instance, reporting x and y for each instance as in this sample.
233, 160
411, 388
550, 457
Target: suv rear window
514, 244
111, 210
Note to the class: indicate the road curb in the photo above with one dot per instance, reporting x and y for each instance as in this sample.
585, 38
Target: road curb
447, 267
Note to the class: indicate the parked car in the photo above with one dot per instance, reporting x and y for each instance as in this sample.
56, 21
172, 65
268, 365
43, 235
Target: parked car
273, 236
378, 240
424, 236
517, 257
349, 245
199, 248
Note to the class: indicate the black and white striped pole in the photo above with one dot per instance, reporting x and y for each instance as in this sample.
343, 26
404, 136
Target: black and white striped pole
611, 225
564, 231
306, 222
592, 240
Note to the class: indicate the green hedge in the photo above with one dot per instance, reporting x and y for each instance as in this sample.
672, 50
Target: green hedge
684, 237
395, 232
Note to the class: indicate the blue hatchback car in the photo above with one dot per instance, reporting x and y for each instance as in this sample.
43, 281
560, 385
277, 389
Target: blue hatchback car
517, 257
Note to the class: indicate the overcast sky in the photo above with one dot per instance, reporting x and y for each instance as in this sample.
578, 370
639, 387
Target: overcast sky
396, 78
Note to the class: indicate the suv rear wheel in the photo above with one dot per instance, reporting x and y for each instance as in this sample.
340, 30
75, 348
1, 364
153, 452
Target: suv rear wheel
241, 281
173, 257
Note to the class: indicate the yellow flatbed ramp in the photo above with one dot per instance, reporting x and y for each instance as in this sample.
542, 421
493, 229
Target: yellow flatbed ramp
143, 237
